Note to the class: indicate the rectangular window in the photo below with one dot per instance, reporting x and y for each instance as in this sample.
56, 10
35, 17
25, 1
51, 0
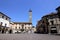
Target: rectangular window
52, 22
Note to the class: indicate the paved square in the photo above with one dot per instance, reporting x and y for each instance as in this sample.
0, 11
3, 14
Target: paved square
28, 37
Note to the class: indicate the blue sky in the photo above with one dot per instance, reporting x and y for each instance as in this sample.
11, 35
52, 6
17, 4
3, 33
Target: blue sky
17, 10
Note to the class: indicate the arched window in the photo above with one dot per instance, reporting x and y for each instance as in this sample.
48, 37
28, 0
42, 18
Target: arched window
22, 26
19, 27
2, 16
15, 27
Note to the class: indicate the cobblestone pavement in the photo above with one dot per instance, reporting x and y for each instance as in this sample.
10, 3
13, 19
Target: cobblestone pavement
28, 37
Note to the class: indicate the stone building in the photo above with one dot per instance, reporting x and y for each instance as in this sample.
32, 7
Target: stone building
4, 22
54, 22
21, 26
51, 22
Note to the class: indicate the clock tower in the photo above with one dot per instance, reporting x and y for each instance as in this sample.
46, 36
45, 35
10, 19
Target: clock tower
30, 15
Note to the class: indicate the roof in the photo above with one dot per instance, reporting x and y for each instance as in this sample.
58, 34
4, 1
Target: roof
51, 14
5, 15
22, 22
58, 8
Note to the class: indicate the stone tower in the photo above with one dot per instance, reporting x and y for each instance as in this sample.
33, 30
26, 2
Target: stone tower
30, 15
